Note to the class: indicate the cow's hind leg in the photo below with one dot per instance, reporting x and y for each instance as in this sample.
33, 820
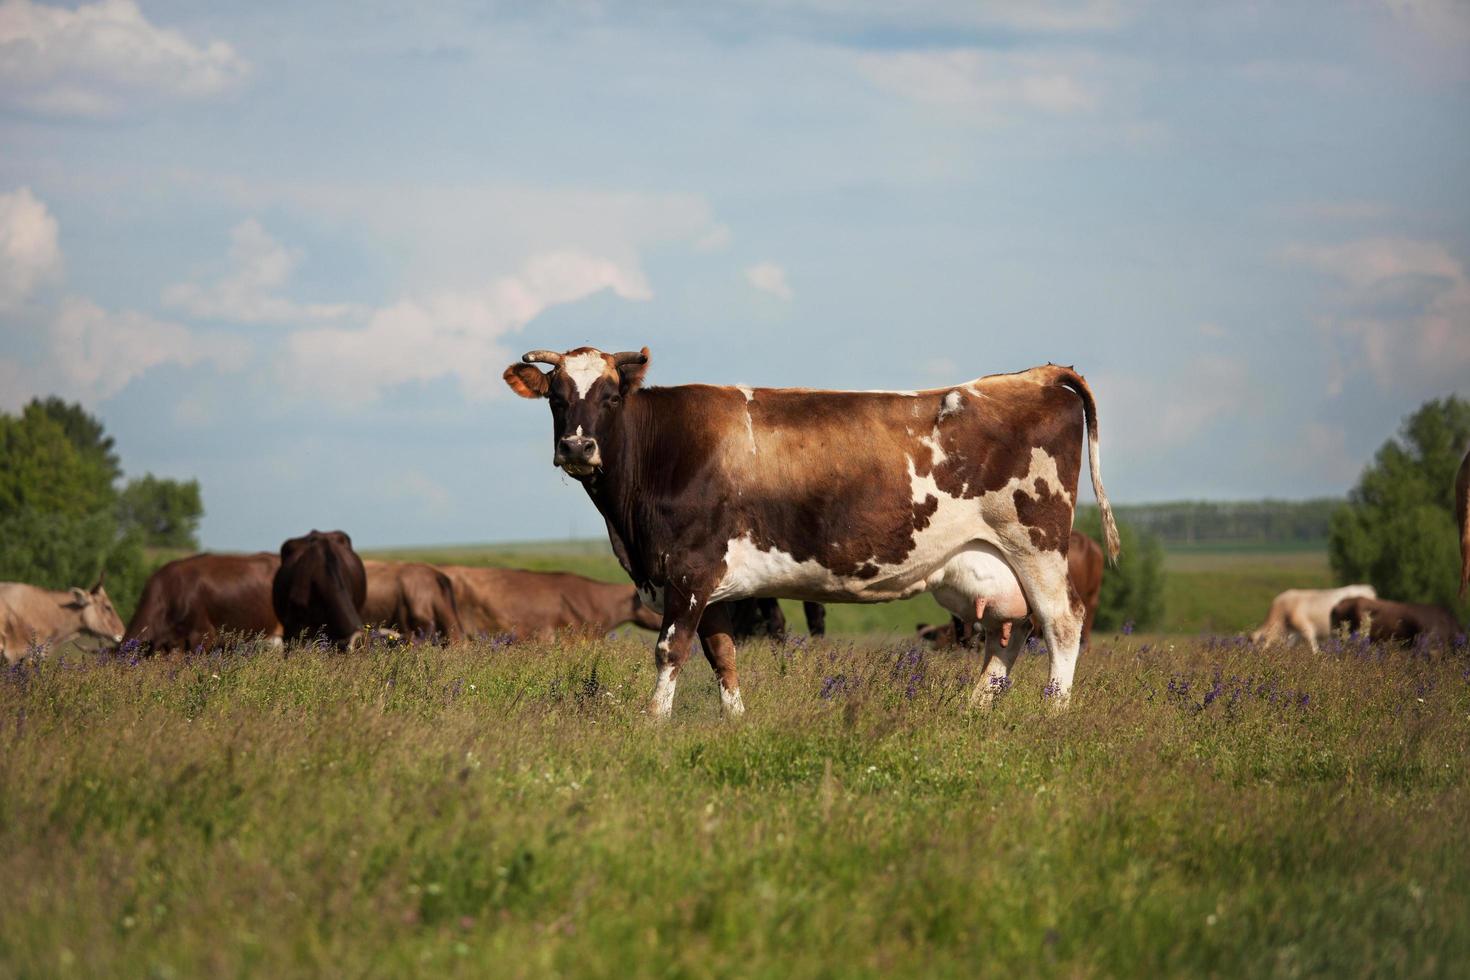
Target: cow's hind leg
1058, 610
681, 619
719, 648
1002, 647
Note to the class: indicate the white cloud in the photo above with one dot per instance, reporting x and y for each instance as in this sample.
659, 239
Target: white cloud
15, 389
1198, 394
1445, 21
101, 58
986, 82
95, 353
259, 267
769, 277
1401, 314
29, 252
451, 333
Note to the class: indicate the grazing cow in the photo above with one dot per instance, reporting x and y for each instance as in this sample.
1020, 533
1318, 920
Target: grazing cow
1394, 622
320, 588
1462, 517
763, 617
1084, 570
1306, 613
189, 602
413, 598
32, 617
718, 493
526, 603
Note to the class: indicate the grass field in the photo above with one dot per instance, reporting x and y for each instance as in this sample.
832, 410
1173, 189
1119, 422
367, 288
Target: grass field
1201, 809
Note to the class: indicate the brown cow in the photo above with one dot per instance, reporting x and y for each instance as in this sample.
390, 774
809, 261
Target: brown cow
763, 617
1306, 613
320, 588
189, 602
527, 603
1084, 571
33, 618
413, 598
1462, 517
717, 493
1396, 622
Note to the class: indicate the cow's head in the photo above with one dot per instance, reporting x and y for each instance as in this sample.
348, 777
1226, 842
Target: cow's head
96, 612
586, 389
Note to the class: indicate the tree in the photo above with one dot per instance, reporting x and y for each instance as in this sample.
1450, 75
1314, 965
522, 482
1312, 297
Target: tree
165, 512
1133, 589
1397, 530
84, 431
59, 505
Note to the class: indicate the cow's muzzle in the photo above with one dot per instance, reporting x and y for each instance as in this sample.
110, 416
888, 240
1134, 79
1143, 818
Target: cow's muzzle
577, 455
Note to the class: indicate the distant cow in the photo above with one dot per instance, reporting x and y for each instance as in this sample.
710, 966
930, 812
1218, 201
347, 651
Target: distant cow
1462, 516
32, 617
320, 588
527, 603
414, 598
712, 493
1394, 622
189, 602
1084, 571
763, 617
1306, 613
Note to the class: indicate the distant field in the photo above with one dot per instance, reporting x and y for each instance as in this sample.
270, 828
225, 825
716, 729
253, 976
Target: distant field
1206, 589
482, 810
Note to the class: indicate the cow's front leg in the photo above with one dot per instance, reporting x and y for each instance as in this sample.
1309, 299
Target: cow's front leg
717, 637
681, 619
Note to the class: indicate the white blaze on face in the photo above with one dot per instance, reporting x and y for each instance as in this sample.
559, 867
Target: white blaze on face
584, 370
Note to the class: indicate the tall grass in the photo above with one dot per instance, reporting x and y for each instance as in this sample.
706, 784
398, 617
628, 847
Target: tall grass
1202, 808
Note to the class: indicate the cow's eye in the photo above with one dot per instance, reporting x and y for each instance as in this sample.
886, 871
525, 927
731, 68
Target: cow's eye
613, 401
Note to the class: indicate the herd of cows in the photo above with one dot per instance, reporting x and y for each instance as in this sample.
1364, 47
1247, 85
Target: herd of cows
719, 500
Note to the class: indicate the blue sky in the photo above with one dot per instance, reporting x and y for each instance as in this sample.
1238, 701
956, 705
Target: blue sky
289, 248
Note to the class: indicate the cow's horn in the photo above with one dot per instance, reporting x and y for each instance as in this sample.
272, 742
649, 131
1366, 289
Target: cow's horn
542, 357
630, 357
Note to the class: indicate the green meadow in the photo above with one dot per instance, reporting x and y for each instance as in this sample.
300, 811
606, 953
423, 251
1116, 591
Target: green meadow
492, 810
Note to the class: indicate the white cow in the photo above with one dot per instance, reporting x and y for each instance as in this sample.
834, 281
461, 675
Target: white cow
1306, 613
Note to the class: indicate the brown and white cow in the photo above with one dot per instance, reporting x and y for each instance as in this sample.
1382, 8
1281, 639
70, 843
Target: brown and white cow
537, 604
717, 493
1306, 613
320, 588
189, 602
1462, 517
1394, 622
412, 597
36, 618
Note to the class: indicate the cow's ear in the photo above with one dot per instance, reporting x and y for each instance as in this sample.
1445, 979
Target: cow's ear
527, 381
79, 599
632, 374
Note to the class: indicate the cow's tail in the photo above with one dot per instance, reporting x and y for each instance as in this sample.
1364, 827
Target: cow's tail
1069, 378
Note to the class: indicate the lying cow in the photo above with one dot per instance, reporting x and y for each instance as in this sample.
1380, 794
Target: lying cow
717, 493
189, 602
527, 603
320, 588
1394, 622
763, 617
1462, 517
1306, 613
33, 618
413, 598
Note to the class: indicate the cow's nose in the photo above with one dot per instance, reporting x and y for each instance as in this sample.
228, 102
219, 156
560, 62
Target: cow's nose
576, 449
